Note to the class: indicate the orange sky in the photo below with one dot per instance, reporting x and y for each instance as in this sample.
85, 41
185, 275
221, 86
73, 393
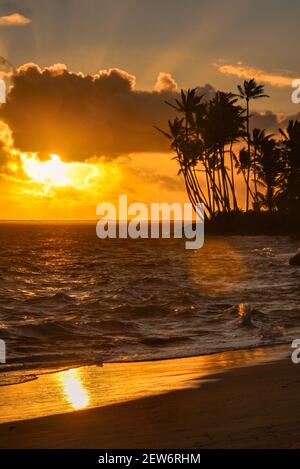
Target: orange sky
123, 60
49, 188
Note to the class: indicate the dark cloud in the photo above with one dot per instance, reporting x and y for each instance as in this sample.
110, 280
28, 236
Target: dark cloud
53, 110
76, 115
12, 7
285, 122
265, 120
271, 122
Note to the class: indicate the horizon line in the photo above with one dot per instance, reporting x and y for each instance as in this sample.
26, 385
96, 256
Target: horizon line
42, 220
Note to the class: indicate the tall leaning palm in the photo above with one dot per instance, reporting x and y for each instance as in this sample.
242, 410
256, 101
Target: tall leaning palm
250, 90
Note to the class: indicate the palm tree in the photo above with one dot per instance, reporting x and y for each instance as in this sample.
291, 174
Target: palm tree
203, 139
250, 90
224, 124
189, 151
188, 105
269, 170
242, 165
258, 138
191, 147
291, 149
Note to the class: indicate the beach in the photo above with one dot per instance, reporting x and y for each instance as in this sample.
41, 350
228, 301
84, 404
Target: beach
252, 402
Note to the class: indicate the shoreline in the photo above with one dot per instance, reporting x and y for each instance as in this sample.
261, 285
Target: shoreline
246, 402
39, 371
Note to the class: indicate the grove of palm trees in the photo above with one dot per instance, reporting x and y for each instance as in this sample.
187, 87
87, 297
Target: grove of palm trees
232, 170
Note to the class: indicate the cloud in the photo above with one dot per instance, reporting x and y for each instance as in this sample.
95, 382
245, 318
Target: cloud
165, 82
14, 19
154, 178
271, 122
77, 116
53, 110
265, 120
283, 123
243, 71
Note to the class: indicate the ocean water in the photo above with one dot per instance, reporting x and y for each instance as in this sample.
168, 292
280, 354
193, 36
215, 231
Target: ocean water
69, 298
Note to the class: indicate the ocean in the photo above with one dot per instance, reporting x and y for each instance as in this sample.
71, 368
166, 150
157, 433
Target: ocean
68, 298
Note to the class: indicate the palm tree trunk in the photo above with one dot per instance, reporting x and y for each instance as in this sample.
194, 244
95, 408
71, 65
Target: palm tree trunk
249, 156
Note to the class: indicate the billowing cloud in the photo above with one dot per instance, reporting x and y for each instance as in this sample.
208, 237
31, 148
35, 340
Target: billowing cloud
53, 110
165, 82
242, 71
14, 19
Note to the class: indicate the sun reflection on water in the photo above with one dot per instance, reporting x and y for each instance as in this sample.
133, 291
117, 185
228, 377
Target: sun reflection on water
74, 391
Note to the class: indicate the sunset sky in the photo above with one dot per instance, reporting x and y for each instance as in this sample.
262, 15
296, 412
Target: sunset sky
92, 77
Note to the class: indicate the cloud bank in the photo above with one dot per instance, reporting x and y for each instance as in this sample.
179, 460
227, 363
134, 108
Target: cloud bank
53, 110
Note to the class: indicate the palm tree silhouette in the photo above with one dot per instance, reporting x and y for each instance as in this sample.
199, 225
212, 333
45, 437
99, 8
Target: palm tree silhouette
268, 169
188, 153
291, 148
223, 125
250, 90
258, 138
202, 140
205, 140
242, 163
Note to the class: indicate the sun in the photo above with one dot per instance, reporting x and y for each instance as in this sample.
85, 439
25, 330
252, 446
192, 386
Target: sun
53, 172
56, 173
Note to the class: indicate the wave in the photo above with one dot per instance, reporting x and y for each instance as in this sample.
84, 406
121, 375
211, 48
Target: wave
63, 297
245, 315
164, 341
57, 298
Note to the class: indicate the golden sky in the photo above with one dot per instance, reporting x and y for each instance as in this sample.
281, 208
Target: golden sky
91, 80
48, 188
71, 141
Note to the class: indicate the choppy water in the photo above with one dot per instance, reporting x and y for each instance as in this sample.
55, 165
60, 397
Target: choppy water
67, 297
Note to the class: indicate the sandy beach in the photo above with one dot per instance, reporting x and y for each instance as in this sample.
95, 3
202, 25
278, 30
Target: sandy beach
246, 407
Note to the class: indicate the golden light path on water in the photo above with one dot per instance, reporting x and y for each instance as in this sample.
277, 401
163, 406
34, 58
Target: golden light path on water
74, 391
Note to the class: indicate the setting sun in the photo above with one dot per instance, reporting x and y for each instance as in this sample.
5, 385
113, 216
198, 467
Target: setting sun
56, 173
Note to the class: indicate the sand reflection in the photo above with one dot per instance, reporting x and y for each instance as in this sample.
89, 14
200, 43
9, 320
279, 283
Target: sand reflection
74, 391
114, 383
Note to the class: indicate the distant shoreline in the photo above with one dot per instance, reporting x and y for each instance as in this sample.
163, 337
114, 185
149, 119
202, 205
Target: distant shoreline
232, 224
255, 224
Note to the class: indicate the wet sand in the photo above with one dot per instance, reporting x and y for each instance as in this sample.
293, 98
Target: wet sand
249, 407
